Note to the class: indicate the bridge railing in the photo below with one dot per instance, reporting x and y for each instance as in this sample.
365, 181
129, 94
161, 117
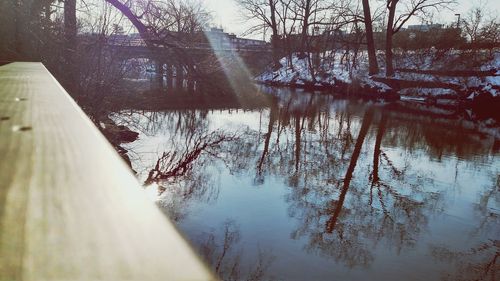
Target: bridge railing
70, 209
139, 43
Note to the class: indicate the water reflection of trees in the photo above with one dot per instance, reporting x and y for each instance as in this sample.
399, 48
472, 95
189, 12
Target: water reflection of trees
178, 167
477, 263
342, 217
222, 254
151, 123
338, 215
436, 134
180, 173
480, 262
348, 193
178, 163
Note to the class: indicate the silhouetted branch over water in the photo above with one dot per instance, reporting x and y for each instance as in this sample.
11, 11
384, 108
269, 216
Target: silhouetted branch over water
176, 163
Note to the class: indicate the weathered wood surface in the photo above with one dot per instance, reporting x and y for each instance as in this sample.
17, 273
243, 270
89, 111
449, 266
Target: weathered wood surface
69, 207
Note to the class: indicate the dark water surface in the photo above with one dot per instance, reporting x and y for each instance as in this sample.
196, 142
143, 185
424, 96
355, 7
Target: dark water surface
316, 188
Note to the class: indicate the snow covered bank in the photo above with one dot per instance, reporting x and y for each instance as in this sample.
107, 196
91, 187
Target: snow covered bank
336, 71
483, 67
469, 77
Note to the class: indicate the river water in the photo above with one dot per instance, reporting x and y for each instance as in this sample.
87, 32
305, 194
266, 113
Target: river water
311, 187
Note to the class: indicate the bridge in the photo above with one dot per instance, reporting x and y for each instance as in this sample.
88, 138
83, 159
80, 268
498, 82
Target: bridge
182, 58
137, 48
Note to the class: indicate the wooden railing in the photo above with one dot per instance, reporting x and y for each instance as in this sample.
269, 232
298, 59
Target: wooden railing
70, 209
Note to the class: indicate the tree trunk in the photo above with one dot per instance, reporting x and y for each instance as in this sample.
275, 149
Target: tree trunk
70, 44
370, 42
305, 26
389, 68
275, 38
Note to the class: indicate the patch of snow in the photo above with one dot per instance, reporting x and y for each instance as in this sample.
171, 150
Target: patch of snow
493, 80
367, 81
472, 96
333, 67
494, 63
434, 109
433, 92
473, 82
489, 88
408, 98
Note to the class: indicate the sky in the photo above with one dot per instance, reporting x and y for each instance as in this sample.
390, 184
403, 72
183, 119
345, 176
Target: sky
226, 14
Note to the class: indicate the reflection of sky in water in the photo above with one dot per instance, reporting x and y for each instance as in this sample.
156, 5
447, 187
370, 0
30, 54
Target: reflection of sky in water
436, 206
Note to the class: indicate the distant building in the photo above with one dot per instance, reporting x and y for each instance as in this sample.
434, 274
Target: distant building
223, 40
424, 27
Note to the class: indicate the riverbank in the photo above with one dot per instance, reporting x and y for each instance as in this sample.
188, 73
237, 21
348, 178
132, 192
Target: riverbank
465, 79
118, 135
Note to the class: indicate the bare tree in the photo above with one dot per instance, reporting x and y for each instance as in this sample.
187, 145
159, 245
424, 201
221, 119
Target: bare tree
471, 24
477, 27
288, 21
490, 32
310, 13
184, 19
265, 11
347, 14
410, 9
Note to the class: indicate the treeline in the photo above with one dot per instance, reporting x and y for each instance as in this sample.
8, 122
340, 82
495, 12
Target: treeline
55, 33
25, 28
439, 38
302, 26
47, 31
29, 27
